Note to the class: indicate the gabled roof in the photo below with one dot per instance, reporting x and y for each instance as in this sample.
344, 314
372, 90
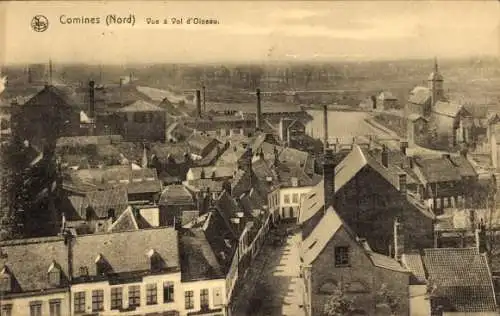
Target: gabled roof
201, 185
414, 263
326, 229
141, 106
211, 171
436, 170
198, 260
314, 244
415, 117
420, 95
463, 165
176, 194
128, 221
100, 201
462, 277
386, 95
127, 252
27, 261
57, 96
448, 108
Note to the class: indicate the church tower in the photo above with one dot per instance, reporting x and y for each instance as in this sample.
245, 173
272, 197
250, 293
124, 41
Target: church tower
435, 82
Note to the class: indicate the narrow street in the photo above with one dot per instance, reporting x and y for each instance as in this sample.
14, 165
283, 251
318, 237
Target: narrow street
272, 286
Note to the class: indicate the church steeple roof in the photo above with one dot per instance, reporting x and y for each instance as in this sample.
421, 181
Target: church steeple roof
435, 75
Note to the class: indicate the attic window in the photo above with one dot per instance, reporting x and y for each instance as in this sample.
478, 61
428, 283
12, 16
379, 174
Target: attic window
54, 274
313, 244
311, 196
84, 271
314, 204
5, 281
101, 265
156, 262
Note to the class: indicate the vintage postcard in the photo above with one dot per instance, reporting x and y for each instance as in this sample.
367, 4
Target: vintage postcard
284, 158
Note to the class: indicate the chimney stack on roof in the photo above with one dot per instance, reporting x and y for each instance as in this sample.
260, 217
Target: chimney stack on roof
259, 111
398, 239
480, 237
402, 183
403, 145
325, 126
385, 156
329, 179
198, 103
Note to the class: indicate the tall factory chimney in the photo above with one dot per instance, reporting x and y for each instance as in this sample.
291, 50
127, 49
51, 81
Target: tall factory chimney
91, 106
259, 111
325, 126
198, 103
204, 99
329, 179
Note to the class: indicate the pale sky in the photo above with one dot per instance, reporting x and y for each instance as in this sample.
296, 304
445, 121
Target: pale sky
252, 31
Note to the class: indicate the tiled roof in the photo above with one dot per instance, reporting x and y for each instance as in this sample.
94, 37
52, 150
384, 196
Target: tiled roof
128, 221
189, 216
28, 262
198, 260
80, 141
204, 184
176, 194
462, 277
386, 95
100, 201
141, 106
221, 237
59, 97
447, 108
463, 165
199, 142
314, 244
385, 262
287, 172
436, 170
126, 251
312, 203
420, 95
413, 262
147, 186
211, 172
414, 117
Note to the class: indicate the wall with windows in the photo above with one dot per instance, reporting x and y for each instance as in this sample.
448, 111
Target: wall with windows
154, 293
290, 200
54, 304
205, 295
344, 264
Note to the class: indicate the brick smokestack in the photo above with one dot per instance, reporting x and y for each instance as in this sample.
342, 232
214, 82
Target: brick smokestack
399, 242
198, 103
259, 111
329, 179
325, 126
91, 99
204, 99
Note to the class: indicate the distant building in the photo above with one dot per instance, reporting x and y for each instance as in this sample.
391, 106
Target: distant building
143, 121
448, 123
386, 101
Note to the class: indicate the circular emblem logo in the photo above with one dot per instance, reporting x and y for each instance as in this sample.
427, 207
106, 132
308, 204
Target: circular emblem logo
39, 23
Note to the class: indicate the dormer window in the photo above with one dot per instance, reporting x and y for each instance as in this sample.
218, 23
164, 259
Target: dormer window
54, 274
156, 261
84, 271
102, 266
5, 280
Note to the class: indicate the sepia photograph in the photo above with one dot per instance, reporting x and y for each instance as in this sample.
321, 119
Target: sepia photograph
250, 158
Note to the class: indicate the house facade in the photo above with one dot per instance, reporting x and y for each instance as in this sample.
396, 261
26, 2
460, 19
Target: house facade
334, 260
143, 121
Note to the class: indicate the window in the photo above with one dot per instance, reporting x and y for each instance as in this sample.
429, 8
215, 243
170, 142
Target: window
36, 308
189, 299
5, 283
116, 297
341, 256
97, 300
287, 199
204, 299
151, 294
217, 296
84, 271
134, 295
168, 292
295, 198
79, 302
55, 307
55, 277
6, 310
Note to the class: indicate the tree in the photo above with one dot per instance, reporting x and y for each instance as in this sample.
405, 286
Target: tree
388, 298
338, 304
